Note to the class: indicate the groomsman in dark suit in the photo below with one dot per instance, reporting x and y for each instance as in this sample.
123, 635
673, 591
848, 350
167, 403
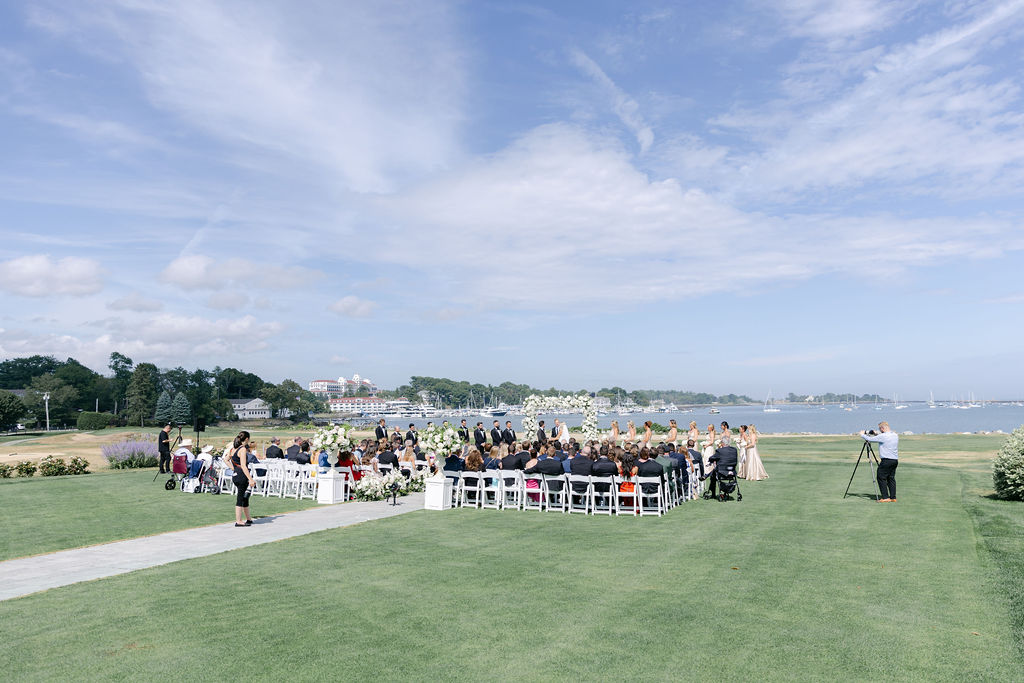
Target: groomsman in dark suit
542, 436
412, 435
496, 434
480, 437
382, 430
509, 436
464, 431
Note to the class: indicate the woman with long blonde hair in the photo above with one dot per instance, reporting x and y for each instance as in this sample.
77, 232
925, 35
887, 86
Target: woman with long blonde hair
754, 469
708, 445
693, 434
630, 431
673, 432
613, 436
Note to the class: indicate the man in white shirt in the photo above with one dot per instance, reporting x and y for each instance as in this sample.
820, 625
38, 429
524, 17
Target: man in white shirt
888, 458
185, 448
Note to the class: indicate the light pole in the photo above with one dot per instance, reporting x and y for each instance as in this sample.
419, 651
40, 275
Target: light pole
46, 400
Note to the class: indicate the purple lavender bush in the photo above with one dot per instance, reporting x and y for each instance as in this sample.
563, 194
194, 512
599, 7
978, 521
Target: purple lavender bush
131, 454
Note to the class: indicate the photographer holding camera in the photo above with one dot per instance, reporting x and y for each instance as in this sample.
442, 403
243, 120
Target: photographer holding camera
888, 454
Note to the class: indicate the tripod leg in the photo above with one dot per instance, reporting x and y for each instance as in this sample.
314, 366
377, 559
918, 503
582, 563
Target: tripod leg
873, 465
855, 470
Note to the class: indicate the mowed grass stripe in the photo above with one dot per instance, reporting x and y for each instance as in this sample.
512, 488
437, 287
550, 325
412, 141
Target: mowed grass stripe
470, 595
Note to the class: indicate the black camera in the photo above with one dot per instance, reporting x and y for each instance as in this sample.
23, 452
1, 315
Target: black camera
872, 432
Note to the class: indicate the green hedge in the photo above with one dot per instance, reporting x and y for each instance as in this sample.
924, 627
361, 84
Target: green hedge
91, 421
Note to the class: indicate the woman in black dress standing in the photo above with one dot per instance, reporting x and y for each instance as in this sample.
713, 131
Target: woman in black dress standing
242, 478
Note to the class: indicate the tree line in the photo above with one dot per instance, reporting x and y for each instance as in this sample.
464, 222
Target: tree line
449, 393
136, 393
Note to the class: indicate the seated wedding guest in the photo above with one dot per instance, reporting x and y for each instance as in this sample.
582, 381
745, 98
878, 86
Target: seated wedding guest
293, 450
357, 452
455, 463
407, 461
603, 467
512, 462
274, 449
724, 458
646, 467
572, 452
583, 465
532, 485
696, 457
474, 462
303, 458
345, 460
387, 456
323, 461
669, 465
184, 450
549, 466
493, 460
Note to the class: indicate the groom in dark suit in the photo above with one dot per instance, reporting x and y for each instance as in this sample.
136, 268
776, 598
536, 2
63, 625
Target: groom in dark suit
496, 434
724, 460
542, 436
480, 437
382, 430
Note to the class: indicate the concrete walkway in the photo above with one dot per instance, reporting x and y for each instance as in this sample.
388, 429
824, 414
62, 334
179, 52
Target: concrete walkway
33, 574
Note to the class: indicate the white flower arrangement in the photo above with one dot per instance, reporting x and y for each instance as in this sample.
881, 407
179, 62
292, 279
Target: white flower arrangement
374, 486
331, 439
441, 441
572, 403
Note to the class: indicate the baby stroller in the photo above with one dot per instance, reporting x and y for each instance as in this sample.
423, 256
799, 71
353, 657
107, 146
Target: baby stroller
726, 482
179, 469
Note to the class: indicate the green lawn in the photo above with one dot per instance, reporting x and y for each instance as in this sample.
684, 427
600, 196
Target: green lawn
43, 514
794, 582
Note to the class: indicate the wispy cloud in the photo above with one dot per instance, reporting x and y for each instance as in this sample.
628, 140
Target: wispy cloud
624, 106
352, 306
798, 358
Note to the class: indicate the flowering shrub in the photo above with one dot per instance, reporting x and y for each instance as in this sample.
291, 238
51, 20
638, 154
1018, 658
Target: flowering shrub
132, 453
1008, 467
26, 468
331, 439
52, 466
78, 465
5, 470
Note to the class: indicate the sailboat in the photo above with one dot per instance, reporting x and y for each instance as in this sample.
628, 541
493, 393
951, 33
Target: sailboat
896, 405
769, 406
931, 399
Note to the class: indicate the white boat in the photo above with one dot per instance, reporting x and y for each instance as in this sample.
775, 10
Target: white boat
896, 405
769, 405
931, 400
714, 411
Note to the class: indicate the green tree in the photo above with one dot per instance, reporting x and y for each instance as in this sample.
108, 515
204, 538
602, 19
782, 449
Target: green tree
181, 411
162, 414
62, 398
121, 366
17, 373
237, 384
11, 409
142, 393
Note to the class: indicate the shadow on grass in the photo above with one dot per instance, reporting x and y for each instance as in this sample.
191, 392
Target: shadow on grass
868, 496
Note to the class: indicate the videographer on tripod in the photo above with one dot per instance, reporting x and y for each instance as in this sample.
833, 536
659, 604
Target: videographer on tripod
888, 454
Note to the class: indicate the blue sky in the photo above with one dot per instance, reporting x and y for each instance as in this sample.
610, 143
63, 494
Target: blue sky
805, 195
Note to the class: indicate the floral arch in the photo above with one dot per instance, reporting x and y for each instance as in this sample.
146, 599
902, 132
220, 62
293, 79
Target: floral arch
535, 405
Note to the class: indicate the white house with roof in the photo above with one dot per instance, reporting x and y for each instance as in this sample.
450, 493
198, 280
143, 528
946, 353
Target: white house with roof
250, 408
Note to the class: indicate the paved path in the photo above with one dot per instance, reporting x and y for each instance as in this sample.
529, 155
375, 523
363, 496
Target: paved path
42, 572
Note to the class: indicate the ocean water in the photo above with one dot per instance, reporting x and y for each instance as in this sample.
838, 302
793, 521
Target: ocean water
916, 417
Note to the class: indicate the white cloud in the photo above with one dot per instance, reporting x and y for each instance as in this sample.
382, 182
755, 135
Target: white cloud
227, 301
841, 20
340, 360
590, 229
38, 275
133, 301
371, 92
624, 106
202, 272
352, 306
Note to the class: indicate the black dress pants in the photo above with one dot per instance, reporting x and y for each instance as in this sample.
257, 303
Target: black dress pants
887, 477
165, 462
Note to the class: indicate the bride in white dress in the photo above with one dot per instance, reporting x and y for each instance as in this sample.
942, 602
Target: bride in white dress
754, 470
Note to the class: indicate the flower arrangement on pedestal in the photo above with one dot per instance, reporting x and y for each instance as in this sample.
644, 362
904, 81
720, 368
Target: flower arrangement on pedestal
440, 441
373, 486
534, 405
331, 439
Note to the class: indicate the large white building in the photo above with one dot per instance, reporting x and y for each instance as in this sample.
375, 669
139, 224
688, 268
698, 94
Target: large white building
331, 388
250, 408
357, 404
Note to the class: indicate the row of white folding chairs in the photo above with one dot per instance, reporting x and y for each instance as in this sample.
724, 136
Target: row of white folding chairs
569, 493
278, 478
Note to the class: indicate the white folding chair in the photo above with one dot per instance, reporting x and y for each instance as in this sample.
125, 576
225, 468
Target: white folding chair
579, 501
512, 489
602, 502
308, 484
292, 480
625, 501
533, 498
456, 478
556, 497
224, 480
348, 483
384, 469
656, 495
492, 490
260, 480
471, 489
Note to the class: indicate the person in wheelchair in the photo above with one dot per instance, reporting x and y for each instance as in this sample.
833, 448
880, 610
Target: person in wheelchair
723, 470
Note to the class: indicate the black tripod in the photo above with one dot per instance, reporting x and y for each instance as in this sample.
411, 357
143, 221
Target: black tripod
872, 464
174, 444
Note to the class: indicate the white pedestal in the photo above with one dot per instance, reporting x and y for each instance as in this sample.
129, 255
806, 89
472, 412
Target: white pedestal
439, 494
330, 487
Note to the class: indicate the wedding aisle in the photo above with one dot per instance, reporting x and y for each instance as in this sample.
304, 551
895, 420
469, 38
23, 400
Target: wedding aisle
28, 575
